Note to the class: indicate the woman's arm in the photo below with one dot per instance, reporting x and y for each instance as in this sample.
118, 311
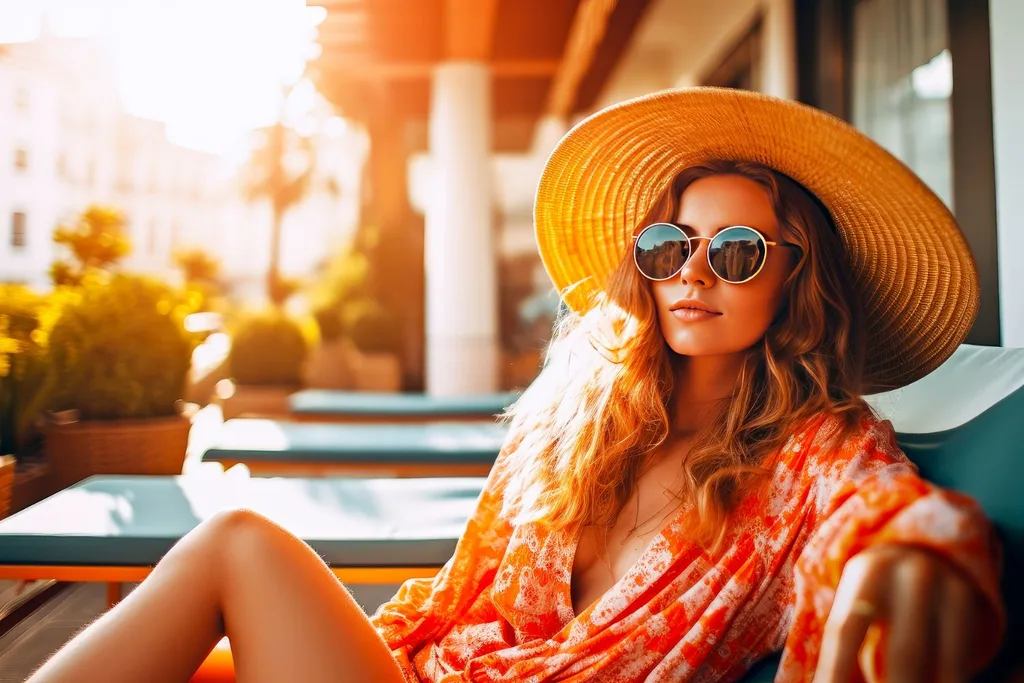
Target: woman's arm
902, 529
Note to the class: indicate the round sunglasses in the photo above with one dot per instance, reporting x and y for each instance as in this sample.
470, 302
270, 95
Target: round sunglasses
736, 254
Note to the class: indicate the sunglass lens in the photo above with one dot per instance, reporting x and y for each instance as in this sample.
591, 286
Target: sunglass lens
660, 251
737, 254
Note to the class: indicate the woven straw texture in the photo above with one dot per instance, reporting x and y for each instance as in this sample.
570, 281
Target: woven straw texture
911, 262
77, 450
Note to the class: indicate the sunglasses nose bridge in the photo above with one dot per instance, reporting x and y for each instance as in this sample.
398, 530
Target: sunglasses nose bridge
697, 258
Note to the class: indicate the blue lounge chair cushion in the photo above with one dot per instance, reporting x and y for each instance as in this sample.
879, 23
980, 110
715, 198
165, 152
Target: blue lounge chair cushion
984, 458
369, 404
310, 442
134, 520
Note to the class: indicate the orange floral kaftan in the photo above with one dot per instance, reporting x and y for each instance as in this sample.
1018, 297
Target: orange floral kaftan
500, 610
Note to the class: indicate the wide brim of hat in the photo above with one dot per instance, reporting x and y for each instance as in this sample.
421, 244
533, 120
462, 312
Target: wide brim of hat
911, 263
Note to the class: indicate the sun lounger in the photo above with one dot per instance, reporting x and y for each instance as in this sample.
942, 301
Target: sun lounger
272, 447
114, 529
325, 405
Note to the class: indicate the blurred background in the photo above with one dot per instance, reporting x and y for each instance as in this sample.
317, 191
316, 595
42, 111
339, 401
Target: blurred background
365, 169
217, 209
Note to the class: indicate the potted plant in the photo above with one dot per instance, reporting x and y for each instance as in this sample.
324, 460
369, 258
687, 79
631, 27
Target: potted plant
8, 347
266, 361
329, 364
377, 338
120, 356
26, 381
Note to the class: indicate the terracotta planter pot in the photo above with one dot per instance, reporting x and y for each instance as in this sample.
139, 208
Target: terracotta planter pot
6, 484
80, 449
330, 366
258, 401
378, 372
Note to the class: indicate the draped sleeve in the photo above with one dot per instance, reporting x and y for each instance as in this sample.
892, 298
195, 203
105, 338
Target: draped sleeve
869, 493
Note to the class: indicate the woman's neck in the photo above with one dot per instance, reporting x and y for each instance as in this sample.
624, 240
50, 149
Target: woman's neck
700, 382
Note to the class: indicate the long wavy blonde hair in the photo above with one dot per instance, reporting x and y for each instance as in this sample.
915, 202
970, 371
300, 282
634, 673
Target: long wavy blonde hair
601, 406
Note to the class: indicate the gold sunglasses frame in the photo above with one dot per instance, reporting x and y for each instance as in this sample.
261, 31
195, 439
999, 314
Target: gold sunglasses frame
707, 252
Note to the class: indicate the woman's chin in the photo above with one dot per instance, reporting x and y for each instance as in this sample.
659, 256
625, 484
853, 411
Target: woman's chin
684, 343
691, 343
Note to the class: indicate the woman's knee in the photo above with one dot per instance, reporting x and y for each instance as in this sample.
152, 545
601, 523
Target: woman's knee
231, 533
243, 530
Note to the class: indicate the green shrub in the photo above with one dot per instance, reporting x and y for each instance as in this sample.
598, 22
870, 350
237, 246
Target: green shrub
269, 348
120, 350
197, 265
342, 279
25, 379
95, 241
373, 330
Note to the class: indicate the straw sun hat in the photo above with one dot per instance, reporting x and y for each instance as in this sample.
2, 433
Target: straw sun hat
911, 264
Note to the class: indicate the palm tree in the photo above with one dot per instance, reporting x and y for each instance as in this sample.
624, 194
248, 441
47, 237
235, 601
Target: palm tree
283, 169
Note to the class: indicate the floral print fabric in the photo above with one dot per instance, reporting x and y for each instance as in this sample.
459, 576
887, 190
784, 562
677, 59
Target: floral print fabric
500, 609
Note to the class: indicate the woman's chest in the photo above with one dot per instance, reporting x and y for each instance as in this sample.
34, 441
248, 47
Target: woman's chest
547, 578
604, 555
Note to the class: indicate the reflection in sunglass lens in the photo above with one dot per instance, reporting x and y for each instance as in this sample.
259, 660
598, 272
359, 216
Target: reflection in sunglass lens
736, 254
660, 251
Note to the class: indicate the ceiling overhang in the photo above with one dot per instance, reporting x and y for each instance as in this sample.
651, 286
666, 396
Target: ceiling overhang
546, 57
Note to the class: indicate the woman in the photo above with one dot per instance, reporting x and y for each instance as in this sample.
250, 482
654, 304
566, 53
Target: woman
694, 481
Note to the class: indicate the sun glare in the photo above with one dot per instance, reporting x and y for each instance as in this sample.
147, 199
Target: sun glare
210, 69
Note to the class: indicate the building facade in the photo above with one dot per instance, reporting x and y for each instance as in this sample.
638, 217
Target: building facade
66, 141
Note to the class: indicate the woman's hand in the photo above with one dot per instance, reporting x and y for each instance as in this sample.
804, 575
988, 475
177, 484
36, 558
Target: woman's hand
929, 609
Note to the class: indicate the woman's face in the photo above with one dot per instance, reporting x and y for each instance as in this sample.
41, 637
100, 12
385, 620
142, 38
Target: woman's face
740, 314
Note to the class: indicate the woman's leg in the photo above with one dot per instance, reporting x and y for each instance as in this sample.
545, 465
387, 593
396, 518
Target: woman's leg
287, 616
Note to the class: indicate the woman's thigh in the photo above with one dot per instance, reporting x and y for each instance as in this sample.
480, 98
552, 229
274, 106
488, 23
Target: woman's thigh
286, 614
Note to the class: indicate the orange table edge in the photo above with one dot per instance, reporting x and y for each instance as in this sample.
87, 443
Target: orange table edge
115, 576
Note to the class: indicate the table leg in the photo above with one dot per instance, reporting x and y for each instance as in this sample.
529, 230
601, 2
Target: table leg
113, 594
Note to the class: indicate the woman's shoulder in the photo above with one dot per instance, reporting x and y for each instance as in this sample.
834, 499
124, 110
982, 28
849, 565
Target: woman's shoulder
833, 448
849, 431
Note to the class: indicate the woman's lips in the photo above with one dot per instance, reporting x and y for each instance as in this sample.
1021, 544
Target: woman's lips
693, 315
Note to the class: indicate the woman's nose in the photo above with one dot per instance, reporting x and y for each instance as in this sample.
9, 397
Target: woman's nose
695, 270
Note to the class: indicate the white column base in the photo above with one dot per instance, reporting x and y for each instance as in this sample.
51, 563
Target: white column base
457, 366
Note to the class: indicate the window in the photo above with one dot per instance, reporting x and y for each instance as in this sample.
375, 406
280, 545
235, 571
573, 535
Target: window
154, 236
902, 79
21, 159
21, 99
741, 66
19, 236
175, 235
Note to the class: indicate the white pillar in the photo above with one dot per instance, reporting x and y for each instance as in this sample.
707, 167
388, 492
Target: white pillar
778, 49
1006, 18
461, 269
